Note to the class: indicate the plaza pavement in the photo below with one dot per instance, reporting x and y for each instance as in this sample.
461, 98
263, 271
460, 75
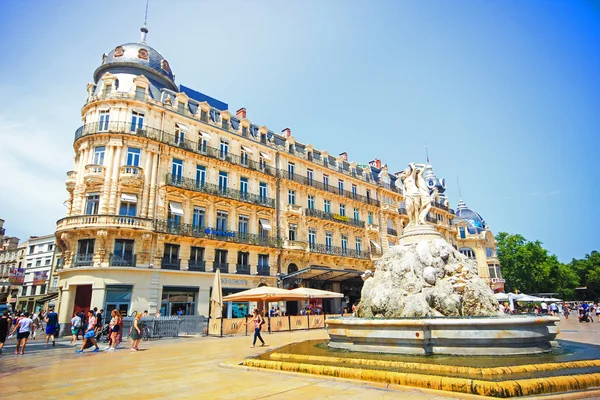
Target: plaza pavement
197, 368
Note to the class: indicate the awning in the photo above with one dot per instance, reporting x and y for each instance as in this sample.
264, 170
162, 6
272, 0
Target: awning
176, 208
182, 127
377, 246
51, 296
128, 198
321, 273
205, 135
247, 149
265, 156
265, 224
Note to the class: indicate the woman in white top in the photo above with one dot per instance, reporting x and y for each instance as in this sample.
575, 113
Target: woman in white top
23, 329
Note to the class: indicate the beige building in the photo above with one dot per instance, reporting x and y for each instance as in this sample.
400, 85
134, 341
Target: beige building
9, 262
168, 186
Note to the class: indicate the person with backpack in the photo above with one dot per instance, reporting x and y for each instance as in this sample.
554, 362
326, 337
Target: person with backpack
75, 326
259, 321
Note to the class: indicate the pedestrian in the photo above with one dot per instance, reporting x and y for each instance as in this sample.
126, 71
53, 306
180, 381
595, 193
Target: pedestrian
259, 321
115, 328
81, 330
89, 334
36, 325
51, 326
136, 332
75, 326
99, 321
23, 329
158, 314
146, 314
5, 322
597, 307
566, 310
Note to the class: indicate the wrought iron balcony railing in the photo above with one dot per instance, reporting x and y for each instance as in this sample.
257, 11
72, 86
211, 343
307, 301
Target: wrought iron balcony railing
216, 234
242, 269
223, 267
197, 266
402, 211
431, 219
117, 260
83, 260
170, 263
311, 212
440, 206
337, 251
264, 270
216, 190
391, 231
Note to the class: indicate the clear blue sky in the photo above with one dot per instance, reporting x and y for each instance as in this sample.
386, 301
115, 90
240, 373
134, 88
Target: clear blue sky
505, 93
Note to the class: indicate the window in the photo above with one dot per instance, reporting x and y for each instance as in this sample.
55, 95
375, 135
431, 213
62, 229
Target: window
467, 252
263, 228
196, 255
312, 237
463, 235
343, 210
262, 191
223, 177
263, 260
106, 90
174, 215
262, 163
104, 117
199, 218
356, 214
171, 252
31, 249
341, 186
177, 170
354, 195
133, 156
370, 218
325, 181
292, 197
328, 241
92, 202
200, 175
243, 223
221, 257
292, 232
50, 247
291, 170
202, 143
128, 205
178, 301
38, 262
489, 252
124, 249
243, 258
47, 261
224, 149
179, 135
327, 206
311, 202
222, 220
358, 245
140, 93
204, 116
180, 107
368, 195
137, 121
244, 187
244, 157
309, 176
344, 244
99, 155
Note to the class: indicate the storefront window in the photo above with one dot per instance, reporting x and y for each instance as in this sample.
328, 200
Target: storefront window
178, 301
119, 298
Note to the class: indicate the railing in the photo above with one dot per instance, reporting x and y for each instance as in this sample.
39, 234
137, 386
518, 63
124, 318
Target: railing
122, 261
440, 206
390, 187
197, 266
216, 190
326, 187
94, 171
311, 212
82, 260
215, 234
242, 269
337, 251
104, 220
170, 139
170, 263
431, 219
391, 231
71, 178
264, 270
295, 244
402, 211
223, 267
131, 170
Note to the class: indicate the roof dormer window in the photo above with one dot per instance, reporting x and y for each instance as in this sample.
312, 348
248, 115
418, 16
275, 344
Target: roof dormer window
165, 65
119, 51
143, 54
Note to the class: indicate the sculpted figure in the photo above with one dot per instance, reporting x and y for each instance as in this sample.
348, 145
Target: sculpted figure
425, 197
412, 195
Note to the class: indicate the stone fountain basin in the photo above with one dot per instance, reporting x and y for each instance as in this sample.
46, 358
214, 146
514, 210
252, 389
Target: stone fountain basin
481, 336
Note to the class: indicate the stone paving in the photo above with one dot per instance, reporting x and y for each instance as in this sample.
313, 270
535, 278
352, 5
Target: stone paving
195, 367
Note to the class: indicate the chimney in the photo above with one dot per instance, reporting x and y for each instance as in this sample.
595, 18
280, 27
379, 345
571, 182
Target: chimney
344, 156
376, 163
286, 132
241, 113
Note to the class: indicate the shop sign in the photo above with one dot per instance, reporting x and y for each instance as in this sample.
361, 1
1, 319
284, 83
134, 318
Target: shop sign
341, 217
498, 280
227, 281
40, 277
218, 232
16, 276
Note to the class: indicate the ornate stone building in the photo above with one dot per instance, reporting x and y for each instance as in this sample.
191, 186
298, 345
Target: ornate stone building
169, 186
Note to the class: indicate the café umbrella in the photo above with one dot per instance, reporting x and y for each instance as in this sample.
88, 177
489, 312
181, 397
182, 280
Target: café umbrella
317, 293
265, 293
216, 306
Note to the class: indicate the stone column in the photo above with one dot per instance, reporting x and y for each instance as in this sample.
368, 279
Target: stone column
105, 192
253, 260
148, 172
153, 182
114, 187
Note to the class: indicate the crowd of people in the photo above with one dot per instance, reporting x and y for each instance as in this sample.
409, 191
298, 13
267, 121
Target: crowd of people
556, 309
25, 326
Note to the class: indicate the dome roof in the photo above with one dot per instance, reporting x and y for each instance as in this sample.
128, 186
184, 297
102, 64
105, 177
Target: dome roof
137, 55
472, 217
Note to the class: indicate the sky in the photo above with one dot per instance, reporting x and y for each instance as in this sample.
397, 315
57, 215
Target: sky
506, 94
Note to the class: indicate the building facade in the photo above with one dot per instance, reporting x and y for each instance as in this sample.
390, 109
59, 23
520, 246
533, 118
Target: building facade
39, 260
169, 186
9, 262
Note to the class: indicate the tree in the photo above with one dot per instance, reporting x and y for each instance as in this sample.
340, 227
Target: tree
588, 271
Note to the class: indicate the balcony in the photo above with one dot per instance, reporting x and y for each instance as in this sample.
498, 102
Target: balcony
94, 174
104, 221
388, 207
242, 269
71, 180
163, 226
223, 267
158, 135
216, 190
431, 219
440, 206
132, 176
373, 227
82, 260
294, 209
311, 212
117, 260
391, 187
294, 245
402, 211
337, 251
264, 270
171, 263
391, 231
197, 266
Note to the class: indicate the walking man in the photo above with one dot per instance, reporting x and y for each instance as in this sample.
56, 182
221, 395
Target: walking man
23, 329
51, 325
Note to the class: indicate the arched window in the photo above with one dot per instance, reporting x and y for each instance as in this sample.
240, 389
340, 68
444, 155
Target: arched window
292, 268
467, 251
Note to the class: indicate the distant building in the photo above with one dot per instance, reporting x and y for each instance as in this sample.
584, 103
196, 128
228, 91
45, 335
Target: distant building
39, 259
9, 256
